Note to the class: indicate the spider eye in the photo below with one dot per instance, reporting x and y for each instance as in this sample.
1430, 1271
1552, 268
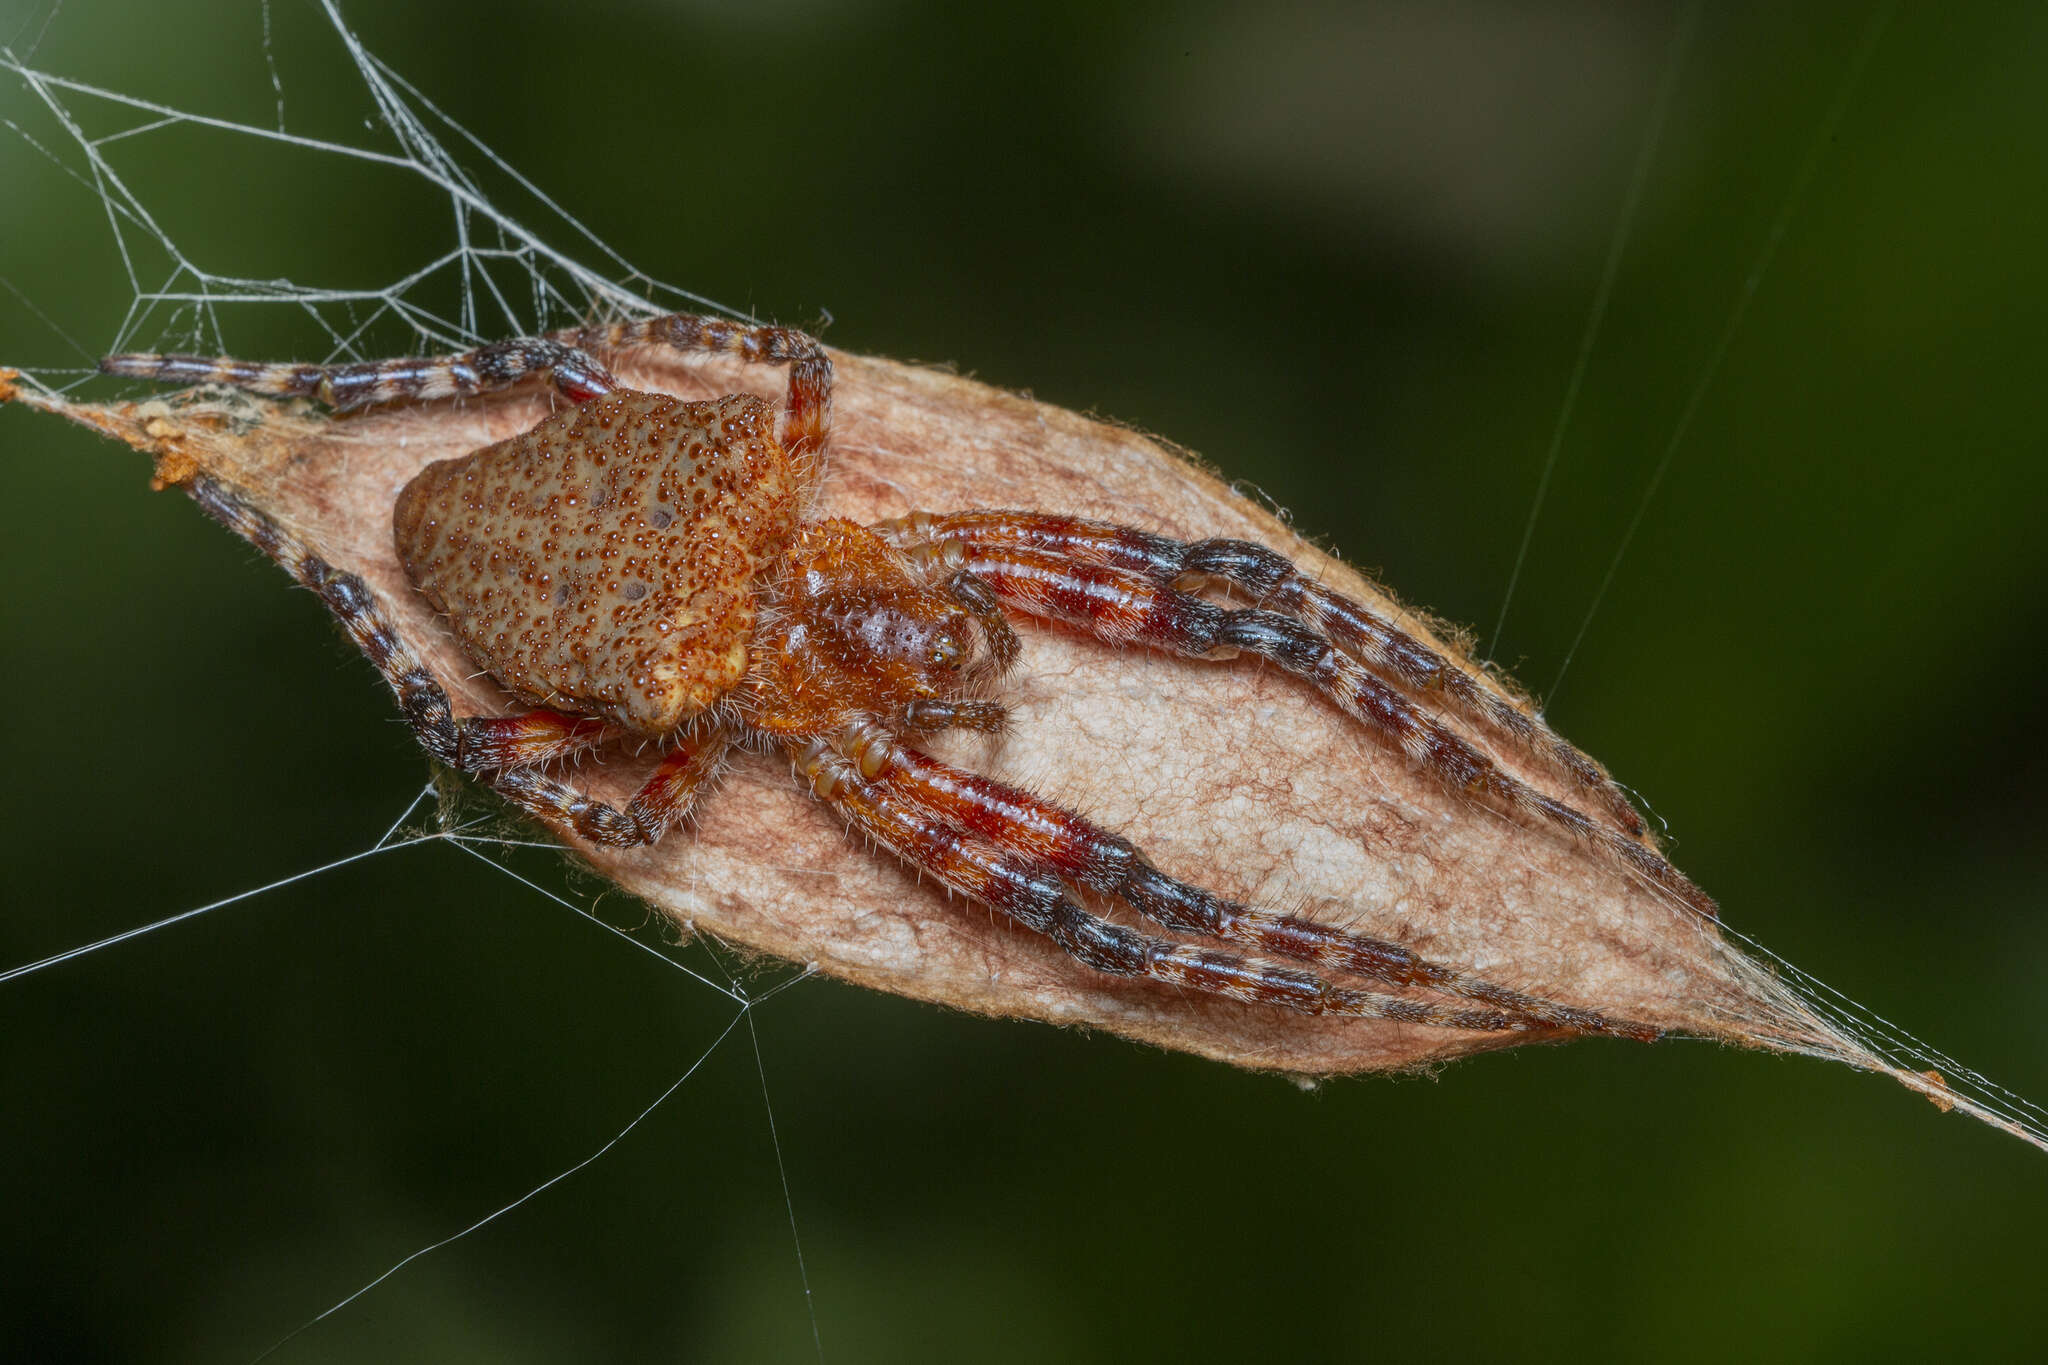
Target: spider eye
951, 643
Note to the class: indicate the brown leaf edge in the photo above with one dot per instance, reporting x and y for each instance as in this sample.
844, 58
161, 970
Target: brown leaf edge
1229, 775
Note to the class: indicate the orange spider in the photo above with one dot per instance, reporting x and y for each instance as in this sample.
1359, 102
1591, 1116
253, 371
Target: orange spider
638, 566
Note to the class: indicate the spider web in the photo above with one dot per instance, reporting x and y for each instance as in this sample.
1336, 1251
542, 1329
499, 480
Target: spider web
503, 273
497, 276
475, 838
507, 278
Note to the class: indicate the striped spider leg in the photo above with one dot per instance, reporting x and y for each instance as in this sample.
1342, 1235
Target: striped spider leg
1014, 850
1121, 585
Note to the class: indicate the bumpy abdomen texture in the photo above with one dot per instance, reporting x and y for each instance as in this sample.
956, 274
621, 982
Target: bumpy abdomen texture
604, 562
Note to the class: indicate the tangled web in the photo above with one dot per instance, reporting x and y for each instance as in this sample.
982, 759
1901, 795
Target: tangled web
501, 274
504, 277
498, 276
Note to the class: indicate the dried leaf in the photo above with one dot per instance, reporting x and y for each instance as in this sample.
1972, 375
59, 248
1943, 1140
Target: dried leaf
1231, 775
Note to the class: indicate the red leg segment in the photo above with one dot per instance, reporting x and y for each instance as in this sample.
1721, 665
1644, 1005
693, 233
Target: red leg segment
1126, 608
1273, 581
1024, 891
1080, 852
534, 739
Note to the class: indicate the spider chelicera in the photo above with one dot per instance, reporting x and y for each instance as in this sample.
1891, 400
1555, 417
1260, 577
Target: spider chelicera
640, 567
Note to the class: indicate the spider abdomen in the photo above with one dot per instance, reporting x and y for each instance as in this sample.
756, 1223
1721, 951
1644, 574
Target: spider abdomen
604, 562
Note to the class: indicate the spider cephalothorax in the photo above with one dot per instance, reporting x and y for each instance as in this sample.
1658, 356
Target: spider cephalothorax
639, 567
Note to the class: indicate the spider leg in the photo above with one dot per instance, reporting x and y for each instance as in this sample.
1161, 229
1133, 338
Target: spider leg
1074, 849
929, 715
1120, 607
664, 800
986, 608
808, 411
532, 739
1272, 580
505, 751
1023, 890
499, 365
564, 356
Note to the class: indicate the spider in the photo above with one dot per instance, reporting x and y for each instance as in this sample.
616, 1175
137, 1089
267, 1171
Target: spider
637, 567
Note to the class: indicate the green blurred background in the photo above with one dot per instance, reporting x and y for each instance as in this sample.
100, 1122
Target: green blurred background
1347, 254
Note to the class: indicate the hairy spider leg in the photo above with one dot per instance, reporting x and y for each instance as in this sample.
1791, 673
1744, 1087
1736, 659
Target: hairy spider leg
500, 365
564, 356
997, 638
929, 715
531, 739
505, 751
1124, 608
807, 413
664, 800
1058, 842
1274, 581
1026, 892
